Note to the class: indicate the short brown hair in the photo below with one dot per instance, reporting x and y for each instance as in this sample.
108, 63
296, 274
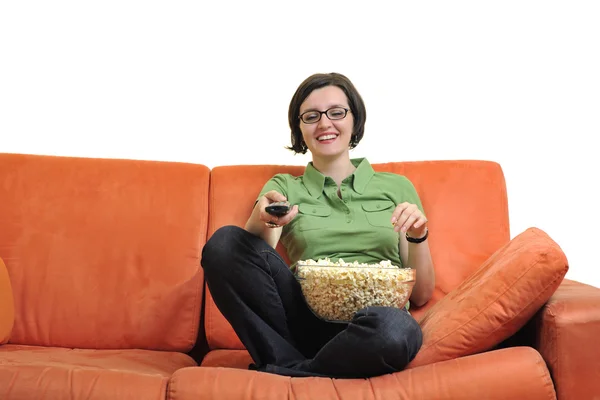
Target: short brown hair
318, 81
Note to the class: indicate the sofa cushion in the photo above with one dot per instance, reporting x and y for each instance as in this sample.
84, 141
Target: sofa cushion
29, 372
227, 358
522, 367
7, 309
104, 253
494, 302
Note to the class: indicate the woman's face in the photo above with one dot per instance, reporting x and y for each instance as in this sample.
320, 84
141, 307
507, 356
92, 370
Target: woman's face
327, 138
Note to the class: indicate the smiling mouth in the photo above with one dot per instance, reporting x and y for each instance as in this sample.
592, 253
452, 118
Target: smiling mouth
327, 137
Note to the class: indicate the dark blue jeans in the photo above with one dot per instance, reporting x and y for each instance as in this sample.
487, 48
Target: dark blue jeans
262, 300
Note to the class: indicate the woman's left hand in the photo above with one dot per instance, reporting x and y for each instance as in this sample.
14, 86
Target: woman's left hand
407, 218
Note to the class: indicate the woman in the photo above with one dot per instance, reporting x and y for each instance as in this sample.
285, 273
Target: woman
342, 209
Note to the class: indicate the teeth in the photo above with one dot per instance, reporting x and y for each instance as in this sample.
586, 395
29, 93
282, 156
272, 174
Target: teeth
327, 137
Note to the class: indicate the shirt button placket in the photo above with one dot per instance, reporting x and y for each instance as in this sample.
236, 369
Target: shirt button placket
346, 196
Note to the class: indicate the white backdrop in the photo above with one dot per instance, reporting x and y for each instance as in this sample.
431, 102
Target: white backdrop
515, 82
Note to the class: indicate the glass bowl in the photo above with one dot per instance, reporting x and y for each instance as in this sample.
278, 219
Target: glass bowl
336, 293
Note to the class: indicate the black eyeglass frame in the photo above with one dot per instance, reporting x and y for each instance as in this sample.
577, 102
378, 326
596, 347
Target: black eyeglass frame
346, 110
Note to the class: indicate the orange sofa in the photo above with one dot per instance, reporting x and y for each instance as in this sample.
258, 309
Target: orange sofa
102, 295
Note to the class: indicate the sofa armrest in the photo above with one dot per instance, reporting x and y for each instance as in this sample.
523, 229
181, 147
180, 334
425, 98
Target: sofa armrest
566, 333
7, 306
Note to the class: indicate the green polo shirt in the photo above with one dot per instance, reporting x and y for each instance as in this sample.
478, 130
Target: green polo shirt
356, 226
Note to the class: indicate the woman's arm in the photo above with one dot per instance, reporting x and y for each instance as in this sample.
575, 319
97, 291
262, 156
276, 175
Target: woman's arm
418, 256
409, 220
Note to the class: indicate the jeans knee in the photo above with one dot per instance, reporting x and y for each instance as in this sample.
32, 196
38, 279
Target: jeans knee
397, 334
221, 245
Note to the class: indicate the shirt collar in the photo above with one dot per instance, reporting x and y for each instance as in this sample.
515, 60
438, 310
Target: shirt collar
315, 180
363, 174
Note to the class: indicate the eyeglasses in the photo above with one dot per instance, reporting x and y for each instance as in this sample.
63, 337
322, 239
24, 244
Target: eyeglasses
313, 116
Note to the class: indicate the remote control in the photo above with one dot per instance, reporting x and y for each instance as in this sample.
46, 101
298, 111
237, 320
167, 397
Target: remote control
279, 208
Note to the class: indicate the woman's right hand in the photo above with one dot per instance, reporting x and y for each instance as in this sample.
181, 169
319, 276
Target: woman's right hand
272, 221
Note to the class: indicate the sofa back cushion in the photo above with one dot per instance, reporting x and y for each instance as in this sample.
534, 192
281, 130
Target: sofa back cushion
103, 253
465, 203
7, 306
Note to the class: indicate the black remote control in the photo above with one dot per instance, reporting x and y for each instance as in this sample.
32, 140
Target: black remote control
279, 208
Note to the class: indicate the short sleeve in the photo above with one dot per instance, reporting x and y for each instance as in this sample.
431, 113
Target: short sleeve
277, 183
408, 193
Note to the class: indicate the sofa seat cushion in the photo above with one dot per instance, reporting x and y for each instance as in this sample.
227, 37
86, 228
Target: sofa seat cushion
512, 373
29, 372
495, 301
227, 358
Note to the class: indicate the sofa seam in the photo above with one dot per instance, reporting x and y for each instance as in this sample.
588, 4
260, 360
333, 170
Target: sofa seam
196, 312
504, 193
291, 392
373, 389
208, 316
209, 319
554, 333
545, 374
335, 389
168, 392
199, 287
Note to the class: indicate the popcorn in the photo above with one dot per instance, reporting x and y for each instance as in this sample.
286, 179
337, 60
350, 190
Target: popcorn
336, 290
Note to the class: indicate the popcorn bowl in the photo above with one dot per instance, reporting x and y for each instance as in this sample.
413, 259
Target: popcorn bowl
336, 291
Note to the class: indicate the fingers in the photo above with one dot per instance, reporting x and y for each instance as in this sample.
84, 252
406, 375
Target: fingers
420, 222
289, 216
405, 221
407, 216
407, 224
270, 221
274, 195
398, 211
401, 214
273, 221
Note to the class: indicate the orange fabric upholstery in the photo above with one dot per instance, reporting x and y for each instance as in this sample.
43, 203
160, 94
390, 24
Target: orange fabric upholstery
54, 373
490, 376
101, 289
103, 253
496, 301
567, 330
7, 307
458, 245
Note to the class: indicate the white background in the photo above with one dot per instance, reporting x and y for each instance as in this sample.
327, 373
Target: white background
517, 82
